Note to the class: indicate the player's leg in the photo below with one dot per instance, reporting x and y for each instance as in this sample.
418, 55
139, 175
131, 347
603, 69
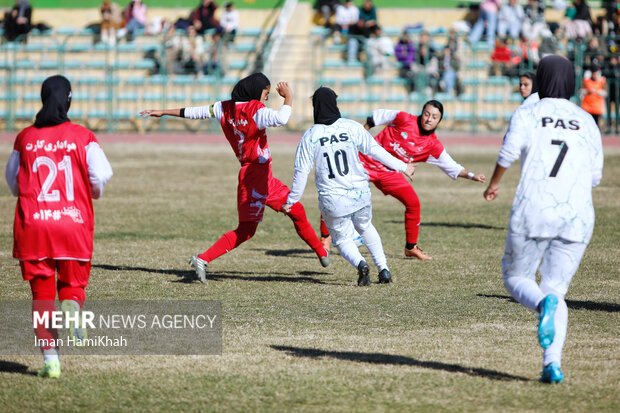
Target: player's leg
42, 278
73, 278
560, 263
251, 197
278, 193
326, 239
362, 221
341, 229
396, 185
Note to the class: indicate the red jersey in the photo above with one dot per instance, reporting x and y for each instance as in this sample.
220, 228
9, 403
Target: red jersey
246, 139
54, 214
402, 139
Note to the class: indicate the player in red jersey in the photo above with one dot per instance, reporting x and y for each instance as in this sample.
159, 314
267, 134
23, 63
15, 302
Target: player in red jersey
409, 138
244, 119
55, 170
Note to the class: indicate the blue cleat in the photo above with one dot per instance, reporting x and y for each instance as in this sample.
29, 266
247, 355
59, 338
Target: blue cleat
546, 325
551, 374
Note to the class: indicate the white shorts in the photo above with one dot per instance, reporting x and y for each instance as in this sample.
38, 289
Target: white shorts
343, 228
560, 260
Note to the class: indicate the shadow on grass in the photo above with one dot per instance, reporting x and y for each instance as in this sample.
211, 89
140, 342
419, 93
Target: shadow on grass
188, 276
380, 358
11, 367
454, 225
294, 253
574, 304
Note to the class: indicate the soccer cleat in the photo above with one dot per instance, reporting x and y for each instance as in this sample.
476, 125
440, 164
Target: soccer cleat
77, 332
358, 241
325, 260
363, 272
200, 266
546, 325
51, 370
327, 242
416, 252
385, 277
551, 374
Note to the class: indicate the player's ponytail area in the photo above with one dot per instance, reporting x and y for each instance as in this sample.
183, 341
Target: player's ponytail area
444, 336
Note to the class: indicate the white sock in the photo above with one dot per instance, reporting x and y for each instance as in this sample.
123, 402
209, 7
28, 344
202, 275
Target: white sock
372, 240
553, 353
525, 291
350, 252
50, 355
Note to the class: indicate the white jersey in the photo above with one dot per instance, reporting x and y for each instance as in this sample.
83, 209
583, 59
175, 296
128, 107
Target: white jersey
561, 161
340, 177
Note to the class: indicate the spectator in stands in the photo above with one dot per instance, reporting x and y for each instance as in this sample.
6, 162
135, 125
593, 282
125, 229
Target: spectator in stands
326, 8
453, 43
510, 20
17, 21
548, 43
366, 25
505, 62
534, 22
487, 20
380, 49
111, 21
203, 18
527, 84
192, 52
428, 62
594, 93
229, 20
405, 55
593, 55
448, 68
347, 15
578, 22
134, 17
612, 74
529, 51
172, 43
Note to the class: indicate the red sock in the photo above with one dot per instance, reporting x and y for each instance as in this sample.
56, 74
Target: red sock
66, 292
43, 296
305, 230
230, 241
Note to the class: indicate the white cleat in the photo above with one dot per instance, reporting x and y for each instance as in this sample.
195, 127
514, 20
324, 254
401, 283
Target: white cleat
200, 266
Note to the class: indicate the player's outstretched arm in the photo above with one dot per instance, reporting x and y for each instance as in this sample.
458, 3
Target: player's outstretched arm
493, 189
472, 176
158, 113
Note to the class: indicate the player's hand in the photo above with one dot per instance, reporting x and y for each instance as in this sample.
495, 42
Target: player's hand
491, 192
367, 126
410, 170
284, 90
286, 208
479, 178
151, 112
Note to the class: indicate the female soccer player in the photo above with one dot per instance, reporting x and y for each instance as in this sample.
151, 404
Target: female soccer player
55, 170
411, 138
333, 144
244, 119
552, 216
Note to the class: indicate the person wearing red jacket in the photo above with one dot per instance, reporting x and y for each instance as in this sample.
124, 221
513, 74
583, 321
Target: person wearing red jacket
244, 119
56, 169
411, 138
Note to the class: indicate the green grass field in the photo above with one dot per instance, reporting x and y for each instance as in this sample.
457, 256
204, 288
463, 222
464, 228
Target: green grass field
444, 336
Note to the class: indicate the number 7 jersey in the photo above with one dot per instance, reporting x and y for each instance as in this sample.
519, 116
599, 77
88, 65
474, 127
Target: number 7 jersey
561, 161
55, 172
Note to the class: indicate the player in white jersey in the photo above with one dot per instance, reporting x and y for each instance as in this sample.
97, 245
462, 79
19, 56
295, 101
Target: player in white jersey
333, 144
552, 215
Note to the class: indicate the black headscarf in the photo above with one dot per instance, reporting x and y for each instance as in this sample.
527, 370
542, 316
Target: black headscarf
250, 88
532, 77
326, 109
555, 77
436, 104
56, 98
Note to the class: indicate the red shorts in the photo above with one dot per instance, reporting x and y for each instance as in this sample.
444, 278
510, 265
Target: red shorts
388, 182
72, 272
257, 189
